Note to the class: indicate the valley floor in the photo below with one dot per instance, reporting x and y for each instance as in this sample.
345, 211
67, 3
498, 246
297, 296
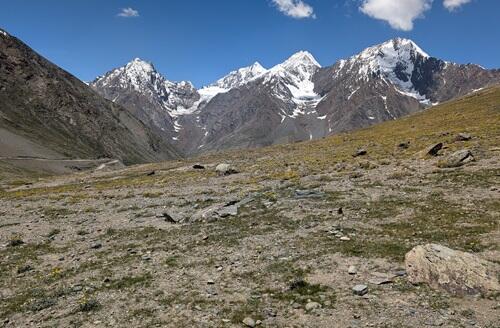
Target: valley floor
145, 247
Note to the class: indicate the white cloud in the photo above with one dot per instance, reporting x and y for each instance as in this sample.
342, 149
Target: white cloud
400, 14
454, 4
128, 12
295, 8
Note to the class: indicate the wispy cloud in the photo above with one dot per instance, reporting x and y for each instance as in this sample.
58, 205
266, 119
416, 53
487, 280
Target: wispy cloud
295, 8
400, 14
128, 13
454, 4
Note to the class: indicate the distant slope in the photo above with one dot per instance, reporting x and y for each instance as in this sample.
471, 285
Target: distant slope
54, 114
477, 114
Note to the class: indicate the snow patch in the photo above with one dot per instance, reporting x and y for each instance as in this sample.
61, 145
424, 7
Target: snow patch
352, 93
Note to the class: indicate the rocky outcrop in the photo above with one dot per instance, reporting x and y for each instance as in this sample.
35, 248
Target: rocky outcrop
456, 272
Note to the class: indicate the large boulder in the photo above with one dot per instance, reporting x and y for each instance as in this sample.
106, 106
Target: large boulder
225, 169
456, 272
457, 159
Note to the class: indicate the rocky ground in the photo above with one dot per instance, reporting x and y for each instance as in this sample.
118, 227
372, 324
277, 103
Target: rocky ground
281, 243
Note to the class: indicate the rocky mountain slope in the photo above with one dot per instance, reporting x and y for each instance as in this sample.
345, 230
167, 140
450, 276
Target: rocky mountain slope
310, 234
48, 113
297, 99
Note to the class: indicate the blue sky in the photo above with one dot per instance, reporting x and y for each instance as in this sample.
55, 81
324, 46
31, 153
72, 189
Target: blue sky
201, 40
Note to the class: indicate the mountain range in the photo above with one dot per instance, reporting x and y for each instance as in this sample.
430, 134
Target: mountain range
293, 101
135, 114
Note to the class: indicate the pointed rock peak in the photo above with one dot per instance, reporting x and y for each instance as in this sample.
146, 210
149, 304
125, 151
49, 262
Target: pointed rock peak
2, 32
240, 77
301, 57
257, 67
401, 44
139, 64
253, 70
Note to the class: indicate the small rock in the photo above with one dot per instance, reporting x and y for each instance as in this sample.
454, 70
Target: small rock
210, 282
404, 145
379, 278
312, 306
431, 150
345, 238
24, 269
77, 288
249, 322
360, 152
340, 211
15, 242
198, 167
225, 169
151, 173
96, 245
167, 217
307, 193
463, 137
352, 270
231, 210
360, 290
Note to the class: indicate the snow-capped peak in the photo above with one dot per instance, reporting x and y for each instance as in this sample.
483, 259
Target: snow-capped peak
141, 77
140, 65
393, 60
301, 66
138, 74
291, 81
387, 57
240, 77
2, 32
234, 79
300, 58
397, 48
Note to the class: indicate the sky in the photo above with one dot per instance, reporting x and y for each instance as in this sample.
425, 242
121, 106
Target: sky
202, 40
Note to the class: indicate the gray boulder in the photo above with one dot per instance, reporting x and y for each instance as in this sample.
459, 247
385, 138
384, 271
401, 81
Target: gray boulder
456, 272
457, 159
